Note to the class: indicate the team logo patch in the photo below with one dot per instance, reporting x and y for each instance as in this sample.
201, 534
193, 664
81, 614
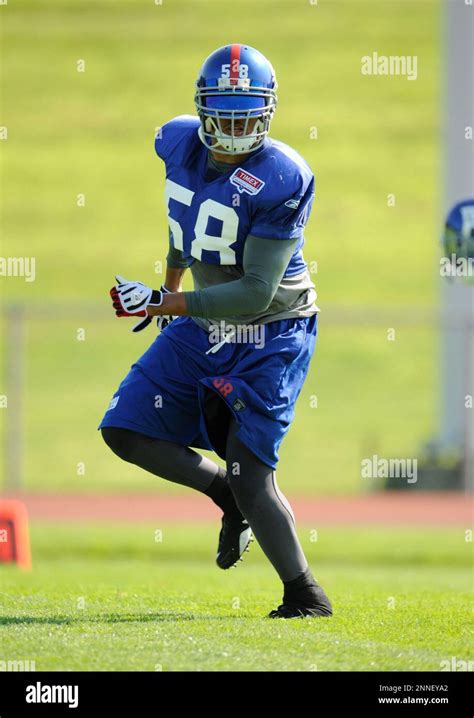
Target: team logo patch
245, 182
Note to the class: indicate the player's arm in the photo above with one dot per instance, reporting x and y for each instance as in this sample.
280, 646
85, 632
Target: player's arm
176, 265
264, 264
174, 279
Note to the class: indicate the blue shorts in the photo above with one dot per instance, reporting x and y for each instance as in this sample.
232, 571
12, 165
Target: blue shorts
178, 392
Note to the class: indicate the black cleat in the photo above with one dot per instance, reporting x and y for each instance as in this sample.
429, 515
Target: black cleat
314, 604
234, 538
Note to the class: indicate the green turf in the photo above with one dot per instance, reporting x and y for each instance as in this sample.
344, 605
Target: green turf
113, 597
91, 132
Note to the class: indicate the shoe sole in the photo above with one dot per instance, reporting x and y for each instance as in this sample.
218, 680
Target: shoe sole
245, 550
275, 614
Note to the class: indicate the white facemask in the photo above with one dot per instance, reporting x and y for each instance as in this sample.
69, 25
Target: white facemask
235, 145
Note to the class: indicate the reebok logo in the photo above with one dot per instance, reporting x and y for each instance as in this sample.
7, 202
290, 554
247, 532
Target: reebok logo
113, 403
292, 203
39, 693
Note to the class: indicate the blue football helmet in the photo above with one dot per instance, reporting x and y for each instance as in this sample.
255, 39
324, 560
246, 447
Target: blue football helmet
458, 237
235, 99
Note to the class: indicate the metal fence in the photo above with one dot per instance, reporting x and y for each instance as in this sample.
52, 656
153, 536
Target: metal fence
17, 317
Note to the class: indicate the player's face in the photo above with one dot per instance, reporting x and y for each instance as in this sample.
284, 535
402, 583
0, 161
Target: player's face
237, 131
239, 126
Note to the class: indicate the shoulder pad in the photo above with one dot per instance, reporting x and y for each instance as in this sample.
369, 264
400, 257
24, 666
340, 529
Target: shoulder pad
173, 133
290, 174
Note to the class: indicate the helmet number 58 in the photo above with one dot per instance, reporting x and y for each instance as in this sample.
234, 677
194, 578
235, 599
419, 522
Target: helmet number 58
203, 241
237, 67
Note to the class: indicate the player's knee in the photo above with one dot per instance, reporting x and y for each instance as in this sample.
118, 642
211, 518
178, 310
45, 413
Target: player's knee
121, 441
245, 491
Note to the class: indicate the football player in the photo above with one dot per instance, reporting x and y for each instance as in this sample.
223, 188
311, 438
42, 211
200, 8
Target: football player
231, 358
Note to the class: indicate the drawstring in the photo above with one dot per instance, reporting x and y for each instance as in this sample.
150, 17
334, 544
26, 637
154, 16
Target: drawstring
216, 347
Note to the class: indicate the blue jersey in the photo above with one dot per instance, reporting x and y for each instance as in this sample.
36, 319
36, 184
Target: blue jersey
269, 194
211, 214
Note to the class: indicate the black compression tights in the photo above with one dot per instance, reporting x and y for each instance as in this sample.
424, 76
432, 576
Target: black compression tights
252, 483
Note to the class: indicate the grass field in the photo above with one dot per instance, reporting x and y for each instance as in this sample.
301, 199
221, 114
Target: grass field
90, 133
82, 193
114, 598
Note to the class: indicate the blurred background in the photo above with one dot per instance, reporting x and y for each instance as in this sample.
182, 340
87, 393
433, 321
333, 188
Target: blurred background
84, 87
85, 84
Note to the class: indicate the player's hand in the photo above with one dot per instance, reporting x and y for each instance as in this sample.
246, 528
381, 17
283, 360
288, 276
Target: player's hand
131, 299
162, 320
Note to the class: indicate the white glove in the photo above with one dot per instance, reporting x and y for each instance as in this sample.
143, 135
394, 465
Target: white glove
133, 299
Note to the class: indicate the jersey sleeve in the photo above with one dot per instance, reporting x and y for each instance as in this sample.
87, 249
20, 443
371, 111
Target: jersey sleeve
170, 136
286, 216
264, 264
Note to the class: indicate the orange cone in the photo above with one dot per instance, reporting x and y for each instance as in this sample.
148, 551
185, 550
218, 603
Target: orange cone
14, 534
